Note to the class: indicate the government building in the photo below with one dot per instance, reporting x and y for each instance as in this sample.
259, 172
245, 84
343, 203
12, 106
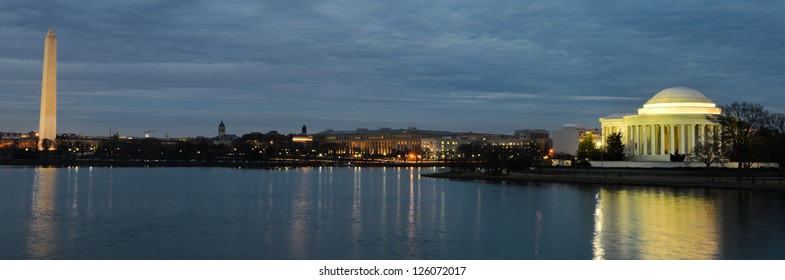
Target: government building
422, 144
673, 121
383, 141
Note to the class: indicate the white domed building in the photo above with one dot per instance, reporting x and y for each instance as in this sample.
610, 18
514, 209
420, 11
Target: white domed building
672, 121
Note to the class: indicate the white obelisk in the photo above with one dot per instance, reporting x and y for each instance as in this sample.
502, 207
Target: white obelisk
47, 128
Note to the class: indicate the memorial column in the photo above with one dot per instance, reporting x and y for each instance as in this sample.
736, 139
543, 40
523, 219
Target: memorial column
691, 142
672, 138
662, 140
645, 142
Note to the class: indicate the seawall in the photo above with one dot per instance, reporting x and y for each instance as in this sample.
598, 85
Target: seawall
637, 178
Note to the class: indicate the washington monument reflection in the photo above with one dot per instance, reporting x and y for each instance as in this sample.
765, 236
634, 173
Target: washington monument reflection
42, 238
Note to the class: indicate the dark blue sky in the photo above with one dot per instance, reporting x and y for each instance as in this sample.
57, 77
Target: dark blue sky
181, 67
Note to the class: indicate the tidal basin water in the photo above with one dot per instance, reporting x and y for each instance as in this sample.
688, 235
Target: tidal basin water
369, 213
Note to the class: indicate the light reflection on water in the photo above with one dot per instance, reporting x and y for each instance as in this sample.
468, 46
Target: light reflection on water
41, 240
650, 224
597, 246
369, 213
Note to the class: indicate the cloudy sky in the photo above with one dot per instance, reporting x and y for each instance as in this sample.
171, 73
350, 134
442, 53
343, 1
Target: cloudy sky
181, 67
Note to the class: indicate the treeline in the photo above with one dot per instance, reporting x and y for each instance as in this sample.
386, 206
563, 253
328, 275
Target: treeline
498, 159
611, 149
197, 149
750, 134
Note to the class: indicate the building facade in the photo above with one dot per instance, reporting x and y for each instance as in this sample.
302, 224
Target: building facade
425, 144
18, 140
443, 147
383, 141
565, 141
541, 136
673, 121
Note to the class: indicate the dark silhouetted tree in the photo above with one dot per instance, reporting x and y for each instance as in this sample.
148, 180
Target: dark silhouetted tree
614, 148
741, 124
707, 154
587, 149
48, 144
774, 135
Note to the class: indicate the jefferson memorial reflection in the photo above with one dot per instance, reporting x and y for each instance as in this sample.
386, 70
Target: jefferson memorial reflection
647, 224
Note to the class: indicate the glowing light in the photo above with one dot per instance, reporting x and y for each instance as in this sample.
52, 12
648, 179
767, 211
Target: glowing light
680, 104
643, 220
678, 110
599, 252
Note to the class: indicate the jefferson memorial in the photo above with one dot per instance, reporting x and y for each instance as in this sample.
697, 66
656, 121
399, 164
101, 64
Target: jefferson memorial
672, 121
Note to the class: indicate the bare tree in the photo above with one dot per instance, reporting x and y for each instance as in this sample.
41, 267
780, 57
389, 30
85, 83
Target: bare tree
741, 124
707, 153
775, 139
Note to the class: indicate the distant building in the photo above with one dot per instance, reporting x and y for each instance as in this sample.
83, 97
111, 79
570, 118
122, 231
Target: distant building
303, 137
17, 140
269, 139
223, 138
81, 144
541, 136
428, 144
447, 147
383, 141
443, 147
10, 135
566, 140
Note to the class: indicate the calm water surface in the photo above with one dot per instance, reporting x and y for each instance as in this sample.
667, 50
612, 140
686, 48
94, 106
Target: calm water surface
369, 213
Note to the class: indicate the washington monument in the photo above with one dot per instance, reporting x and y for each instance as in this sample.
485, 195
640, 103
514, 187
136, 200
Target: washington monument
47, 128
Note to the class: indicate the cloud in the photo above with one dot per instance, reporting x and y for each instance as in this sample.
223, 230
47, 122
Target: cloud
601, 98
461, 65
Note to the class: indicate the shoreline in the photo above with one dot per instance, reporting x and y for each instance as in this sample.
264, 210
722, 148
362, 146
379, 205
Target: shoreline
694, 178
227, 163
653, 178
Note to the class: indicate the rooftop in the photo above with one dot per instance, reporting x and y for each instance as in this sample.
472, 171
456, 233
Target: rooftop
678, 95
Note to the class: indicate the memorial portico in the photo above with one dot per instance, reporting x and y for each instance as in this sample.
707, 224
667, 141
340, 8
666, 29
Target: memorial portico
673, 121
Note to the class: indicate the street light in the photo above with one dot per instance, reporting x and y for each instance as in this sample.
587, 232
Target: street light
602, 153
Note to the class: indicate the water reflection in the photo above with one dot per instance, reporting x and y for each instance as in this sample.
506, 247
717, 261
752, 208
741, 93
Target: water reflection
410, 227
537, 233
356, 227
42, 237
597, 246
300, 218
371, 213
652, 224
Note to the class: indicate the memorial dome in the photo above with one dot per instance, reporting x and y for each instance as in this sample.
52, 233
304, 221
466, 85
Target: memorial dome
679, 100
678, 95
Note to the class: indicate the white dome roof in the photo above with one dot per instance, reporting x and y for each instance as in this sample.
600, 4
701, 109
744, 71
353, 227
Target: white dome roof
679, 100
678, 95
